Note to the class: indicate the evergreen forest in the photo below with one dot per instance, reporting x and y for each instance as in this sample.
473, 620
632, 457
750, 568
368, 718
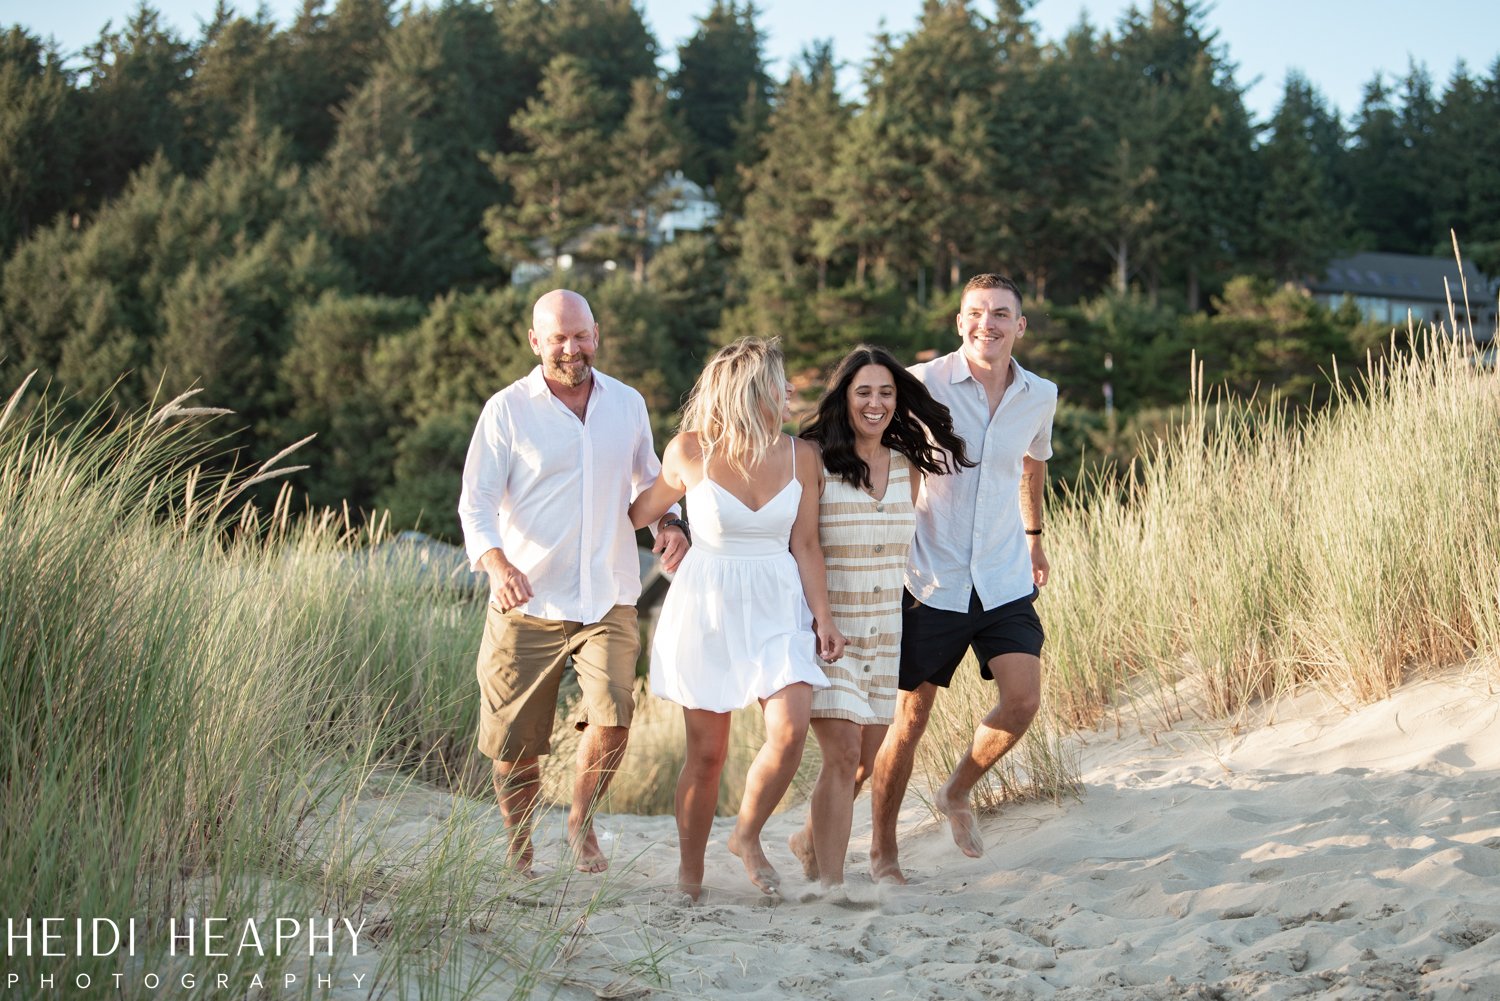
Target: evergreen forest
317, 223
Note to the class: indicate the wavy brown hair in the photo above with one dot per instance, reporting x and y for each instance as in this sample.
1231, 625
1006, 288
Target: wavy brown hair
921, 428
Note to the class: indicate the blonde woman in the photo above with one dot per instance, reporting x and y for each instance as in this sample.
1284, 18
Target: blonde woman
747, 615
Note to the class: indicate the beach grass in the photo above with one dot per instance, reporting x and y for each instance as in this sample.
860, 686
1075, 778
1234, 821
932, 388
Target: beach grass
202, 706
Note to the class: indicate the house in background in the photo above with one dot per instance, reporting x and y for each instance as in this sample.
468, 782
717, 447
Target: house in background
692, 210
1388, 288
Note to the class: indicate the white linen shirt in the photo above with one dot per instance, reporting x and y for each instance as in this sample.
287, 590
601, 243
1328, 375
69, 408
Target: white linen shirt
551, 492
969, 534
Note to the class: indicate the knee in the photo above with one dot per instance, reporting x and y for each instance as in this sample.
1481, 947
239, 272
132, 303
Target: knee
787, 737
841, 760
705, 761
1020, 709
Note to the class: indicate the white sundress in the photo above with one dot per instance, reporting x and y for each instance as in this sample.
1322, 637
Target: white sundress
735, 626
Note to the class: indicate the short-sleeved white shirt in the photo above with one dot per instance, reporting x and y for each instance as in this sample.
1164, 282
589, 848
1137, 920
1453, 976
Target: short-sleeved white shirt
552, 492
969, 533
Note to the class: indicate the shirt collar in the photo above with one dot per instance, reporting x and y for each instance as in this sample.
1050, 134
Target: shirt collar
536, 383
960, 371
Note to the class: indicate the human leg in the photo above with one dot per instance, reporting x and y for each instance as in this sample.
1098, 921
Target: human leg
769, 777
519, 668
604, 657
599, 753
698, 792
517, 786
824, 840
1018, 680
893, 765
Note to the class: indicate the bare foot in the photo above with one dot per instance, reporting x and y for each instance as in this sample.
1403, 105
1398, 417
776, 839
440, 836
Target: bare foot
886, 871
757, 866
520, 854
590, 857
961, 819
801, 845
690, 884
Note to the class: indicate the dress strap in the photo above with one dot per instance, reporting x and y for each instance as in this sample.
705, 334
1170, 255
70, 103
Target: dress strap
794, 455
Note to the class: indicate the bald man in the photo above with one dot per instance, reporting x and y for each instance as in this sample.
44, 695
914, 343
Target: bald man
554, 463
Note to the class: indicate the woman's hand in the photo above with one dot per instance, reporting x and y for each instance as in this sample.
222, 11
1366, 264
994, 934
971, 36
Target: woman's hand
830, 641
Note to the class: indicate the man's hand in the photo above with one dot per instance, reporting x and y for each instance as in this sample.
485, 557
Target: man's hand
672, 545
509, 587
1040, 568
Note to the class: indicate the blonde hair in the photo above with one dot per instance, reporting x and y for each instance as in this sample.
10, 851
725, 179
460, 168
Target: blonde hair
735, 407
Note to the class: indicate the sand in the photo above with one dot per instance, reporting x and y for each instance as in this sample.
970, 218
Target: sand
1330, 851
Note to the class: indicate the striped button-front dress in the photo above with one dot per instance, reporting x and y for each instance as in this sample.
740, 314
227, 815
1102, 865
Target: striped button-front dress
865, 545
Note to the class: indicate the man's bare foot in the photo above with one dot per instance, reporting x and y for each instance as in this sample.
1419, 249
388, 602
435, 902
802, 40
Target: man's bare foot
590, 857
757, 866
884, 870
801, 845
961, 820
520, 854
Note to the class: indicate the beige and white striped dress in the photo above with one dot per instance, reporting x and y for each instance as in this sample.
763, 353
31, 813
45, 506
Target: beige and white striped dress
865, 545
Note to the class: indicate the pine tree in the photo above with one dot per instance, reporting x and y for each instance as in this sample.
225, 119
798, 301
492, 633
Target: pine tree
559, 183
721, 89
38, 136
1301, 222
644, 154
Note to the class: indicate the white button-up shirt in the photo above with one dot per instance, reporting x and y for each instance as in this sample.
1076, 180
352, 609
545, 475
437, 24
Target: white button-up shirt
551, 492
969, 533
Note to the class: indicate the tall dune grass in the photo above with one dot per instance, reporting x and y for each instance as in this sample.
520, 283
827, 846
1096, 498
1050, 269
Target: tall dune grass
196, 697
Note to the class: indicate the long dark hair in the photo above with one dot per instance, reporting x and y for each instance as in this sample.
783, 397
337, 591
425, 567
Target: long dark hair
920, 429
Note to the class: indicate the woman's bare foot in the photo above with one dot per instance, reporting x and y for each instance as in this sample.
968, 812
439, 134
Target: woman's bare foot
757, 866
690, 880
801, 845
961, 820
520, 854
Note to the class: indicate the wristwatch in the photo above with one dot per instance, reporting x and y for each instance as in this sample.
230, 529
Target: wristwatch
678, 523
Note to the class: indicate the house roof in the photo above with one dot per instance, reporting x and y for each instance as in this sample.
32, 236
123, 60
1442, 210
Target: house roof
1404, 276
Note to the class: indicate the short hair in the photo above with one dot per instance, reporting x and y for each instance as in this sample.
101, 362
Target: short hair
736, 405
991, 280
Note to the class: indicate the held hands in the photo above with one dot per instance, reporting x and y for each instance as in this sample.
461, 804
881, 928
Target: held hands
672, 545
830, 641
1041, 570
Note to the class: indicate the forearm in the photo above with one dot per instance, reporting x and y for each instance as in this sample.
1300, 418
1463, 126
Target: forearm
1033, 490
653, 504
814, 577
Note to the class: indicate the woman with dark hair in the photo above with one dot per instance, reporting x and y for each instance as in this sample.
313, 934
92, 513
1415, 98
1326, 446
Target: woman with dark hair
880, 431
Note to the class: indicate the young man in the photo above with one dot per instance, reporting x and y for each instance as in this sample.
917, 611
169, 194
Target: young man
554, 463
976, 564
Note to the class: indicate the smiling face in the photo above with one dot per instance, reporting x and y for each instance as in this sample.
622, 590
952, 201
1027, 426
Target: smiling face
565, 337
871, 400
990, 322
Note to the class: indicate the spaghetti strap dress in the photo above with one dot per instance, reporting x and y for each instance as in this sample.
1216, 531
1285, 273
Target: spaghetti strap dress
735, 626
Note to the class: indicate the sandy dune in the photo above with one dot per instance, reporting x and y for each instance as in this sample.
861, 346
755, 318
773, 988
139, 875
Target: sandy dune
1328, 853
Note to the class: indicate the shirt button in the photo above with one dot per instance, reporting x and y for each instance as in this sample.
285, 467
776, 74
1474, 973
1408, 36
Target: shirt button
879, 507
867, 668
880, 548
875, 589
872, 630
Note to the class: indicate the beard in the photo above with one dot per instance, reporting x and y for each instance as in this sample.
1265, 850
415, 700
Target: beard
571, 372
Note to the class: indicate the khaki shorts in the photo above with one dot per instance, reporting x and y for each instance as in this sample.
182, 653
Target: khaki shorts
521, 664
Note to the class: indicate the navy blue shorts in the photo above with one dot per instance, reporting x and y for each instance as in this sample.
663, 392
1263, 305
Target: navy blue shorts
934, 641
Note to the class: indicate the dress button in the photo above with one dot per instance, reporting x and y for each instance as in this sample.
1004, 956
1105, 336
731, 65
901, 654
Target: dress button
880, 548
880, 507
872, 630
875, 589
867, 668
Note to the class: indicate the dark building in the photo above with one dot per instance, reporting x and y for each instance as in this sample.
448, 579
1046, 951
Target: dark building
1388, 288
